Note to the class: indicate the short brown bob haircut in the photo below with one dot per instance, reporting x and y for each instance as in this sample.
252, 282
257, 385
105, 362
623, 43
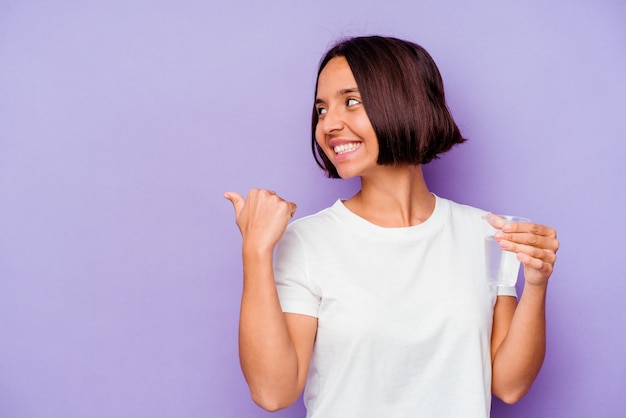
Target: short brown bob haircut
402, 93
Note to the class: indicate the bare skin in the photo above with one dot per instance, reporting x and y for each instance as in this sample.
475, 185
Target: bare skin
274, 348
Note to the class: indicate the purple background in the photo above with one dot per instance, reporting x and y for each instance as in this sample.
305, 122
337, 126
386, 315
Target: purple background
123, 122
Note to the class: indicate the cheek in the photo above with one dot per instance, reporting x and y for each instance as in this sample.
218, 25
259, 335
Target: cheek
319, 136
366, 130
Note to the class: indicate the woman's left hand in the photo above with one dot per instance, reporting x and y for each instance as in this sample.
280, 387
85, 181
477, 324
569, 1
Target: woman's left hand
535, 246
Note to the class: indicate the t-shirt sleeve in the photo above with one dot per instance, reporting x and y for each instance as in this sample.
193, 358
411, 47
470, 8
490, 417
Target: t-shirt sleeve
507, 291
292, 279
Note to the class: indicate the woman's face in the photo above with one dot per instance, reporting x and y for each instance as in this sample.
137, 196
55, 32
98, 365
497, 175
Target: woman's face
344, 131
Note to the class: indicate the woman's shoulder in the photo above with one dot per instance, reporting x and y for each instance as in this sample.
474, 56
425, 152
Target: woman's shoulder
317, 220
461, 210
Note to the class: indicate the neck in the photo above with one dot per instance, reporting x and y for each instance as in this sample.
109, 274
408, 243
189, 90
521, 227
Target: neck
396, 197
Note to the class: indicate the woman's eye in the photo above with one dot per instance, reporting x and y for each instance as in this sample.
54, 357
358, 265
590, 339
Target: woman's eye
320, 111
352, 102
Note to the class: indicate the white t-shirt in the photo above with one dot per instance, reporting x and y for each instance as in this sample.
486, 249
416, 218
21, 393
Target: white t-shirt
404, 314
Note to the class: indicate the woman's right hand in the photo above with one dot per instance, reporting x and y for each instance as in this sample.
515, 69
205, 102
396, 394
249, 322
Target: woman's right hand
274, 347
262, 217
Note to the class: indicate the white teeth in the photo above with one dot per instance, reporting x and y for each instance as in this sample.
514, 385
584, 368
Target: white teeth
340, 149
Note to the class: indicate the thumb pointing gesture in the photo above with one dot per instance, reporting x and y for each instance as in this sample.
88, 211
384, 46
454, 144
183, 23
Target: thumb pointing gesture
237, 200
261, 217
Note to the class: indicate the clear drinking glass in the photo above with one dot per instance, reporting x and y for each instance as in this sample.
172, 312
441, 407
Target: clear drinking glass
502, 266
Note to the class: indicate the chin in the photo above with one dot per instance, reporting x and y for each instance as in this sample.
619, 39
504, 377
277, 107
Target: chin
345, 175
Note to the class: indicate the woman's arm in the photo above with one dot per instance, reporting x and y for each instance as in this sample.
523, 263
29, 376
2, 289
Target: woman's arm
518, 342
274, 348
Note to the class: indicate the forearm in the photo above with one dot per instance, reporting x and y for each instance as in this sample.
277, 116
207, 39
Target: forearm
267, 355
519, 358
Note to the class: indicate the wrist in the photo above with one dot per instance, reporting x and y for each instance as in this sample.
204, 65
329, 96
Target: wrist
535, 291
256, 250
541, 287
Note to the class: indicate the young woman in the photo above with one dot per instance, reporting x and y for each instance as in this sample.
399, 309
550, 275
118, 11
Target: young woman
380, 303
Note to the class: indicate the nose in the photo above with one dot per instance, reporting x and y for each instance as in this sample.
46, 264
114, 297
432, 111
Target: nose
330, 122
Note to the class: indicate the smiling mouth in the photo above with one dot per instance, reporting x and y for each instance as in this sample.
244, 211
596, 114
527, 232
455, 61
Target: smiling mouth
343, 148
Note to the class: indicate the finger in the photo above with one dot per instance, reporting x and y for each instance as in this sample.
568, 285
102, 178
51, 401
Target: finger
539, 241
528, 233
543, 267
530, 227
292, 208
237, 200
529, 251
496, 221
286, 207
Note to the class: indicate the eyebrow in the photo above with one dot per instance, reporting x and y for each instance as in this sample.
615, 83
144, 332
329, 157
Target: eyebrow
341, 92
